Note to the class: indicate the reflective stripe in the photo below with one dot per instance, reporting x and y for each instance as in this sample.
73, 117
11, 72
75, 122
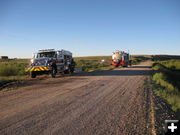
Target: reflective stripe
45, 68
32, 69
36, 69
41, 68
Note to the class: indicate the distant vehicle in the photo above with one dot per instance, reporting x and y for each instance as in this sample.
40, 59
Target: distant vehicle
120, 58
51, 61
4, 57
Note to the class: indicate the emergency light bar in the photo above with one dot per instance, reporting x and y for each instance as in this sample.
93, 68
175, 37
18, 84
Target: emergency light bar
46, 50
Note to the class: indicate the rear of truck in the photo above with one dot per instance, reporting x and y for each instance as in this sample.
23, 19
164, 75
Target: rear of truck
120, 59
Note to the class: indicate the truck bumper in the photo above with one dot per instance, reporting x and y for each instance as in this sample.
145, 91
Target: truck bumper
37, 69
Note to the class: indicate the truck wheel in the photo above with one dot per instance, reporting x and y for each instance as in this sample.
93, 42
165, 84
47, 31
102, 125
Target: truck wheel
33, 74
53, 73
72, 70
67, 71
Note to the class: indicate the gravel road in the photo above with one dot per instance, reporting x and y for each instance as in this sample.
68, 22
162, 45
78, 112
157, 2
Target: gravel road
99, 103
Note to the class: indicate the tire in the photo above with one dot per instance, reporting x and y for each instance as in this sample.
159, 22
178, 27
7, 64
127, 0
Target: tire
53, 73
71, 70
67, 71
130, 63
125, 66
33, 74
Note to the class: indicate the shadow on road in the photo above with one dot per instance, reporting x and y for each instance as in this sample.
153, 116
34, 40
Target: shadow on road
125, 72
141, 66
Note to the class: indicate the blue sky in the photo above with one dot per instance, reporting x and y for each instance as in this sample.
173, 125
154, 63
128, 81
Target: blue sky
89, 27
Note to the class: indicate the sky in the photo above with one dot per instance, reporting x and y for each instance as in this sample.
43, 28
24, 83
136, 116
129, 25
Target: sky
89, 27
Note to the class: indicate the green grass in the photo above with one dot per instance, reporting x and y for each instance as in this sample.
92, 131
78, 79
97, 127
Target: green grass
171, 64
167, 82
13, 67
12, 70
93, 63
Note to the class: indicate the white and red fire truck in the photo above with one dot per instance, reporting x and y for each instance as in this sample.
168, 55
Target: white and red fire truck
120, 58
50, 61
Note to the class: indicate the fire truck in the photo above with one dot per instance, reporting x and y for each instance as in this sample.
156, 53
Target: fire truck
120, 58
50, 61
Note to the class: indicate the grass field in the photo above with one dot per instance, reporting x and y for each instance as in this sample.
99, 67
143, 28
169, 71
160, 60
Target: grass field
167, 81
12, 70
93, 63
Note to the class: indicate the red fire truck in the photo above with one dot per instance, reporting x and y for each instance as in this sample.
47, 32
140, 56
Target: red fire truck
121, 58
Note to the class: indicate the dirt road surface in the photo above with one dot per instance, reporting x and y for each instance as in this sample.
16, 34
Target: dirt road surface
99, 103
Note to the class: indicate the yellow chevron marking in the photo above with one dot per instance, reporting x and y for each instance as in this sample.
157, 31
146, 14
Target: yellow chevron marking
32, 69
46, 68
41, 68
36, 69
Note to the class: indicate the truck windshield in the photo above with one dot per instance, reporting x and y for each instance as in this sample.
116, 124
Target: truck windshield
45, 54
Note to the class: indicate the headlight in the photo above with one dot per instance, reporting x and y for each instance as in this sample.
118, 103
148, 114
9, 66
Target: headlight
47, 64
32, 60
